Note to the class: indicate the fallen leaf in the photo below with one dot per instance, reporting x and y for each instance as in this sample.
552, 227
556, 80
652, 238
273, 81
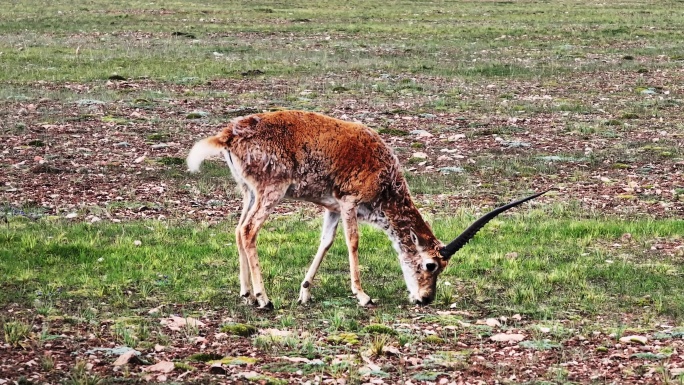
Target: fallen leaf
503, 337
249, 375
343, 359
493, 322
676, 371
297, 360
160, 367
370, 364
155, 310
275, 332
390, 350
177, 323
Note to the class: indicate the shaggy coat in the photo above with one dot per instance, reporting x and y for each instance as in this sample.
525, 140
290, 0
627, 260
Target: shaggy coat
344, 167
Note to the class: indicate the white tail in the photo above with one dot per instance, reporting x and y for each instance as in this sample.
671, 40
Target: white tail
202, 150
344, 167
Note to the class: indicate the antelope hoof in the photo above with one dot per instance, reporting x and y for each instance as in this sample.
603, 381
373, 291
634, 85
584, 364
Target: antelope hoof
304, 296
364, 299
249, 299
267, 307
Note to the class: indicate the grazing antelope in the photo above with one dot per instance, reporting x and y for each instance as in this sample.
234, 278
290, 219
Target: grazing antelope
344, 167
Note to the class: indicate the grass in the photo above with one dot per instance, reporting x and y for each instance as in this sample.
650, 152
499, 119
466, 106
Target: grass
595, 79
76, 42
561, 266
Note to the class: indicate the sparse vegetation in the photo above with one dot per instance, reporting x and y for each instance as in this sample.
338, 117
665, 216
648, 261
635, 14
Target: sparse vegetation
103, 234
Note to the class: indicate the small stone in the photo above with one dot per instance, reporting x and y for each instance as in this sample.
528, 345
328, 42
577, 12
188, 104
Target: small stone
454, 138
634, 339
71, 216
421, 134
419, 155
503, 337
159, 146
493, 322
128, 357
160, 367
516, 144
217, 368
451, 170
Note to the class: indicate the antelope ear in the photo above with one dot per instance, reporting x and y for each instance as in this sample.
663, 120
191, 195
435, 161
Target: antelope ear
414, 238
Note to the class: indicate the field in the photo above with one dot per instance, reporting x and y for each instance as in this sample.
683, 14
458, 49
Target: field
117, 266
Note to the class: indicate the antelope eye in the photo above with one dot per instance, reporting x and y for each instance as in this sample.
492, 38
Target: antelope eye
431, 266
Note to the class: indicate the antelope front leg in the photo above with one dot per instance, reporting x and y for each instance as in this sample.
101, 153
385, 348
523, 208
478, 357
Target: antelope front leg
351, 232
330, 221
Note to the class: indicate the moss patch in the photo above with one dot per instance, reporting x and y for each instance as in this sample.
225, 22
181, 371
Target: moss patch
204, 357
235, 361
433, 339
344, 339
379, 329
238, 329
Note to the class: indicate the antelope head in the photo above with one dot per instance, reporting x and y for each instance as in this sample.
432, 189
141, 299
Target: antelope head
421, 276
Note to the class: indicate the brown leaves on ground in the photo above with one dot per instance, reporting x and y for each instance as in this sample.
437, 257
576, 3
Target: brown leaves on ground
108, 158
471, 348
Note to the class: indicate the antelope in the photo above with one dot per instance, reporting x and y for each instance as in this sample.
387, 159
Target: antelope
342, 166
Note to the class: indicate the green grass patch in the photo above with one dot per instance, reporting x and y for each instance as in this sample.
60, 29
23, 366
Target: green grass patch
560, 265
216, 39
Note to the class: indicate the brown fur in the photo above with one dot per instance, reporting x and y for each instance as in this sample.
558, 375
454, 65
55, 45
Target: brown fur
342, 166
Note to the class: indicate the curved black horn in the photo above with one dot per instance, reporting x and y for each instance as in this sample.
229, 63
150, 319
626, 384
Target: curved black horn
460, 241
